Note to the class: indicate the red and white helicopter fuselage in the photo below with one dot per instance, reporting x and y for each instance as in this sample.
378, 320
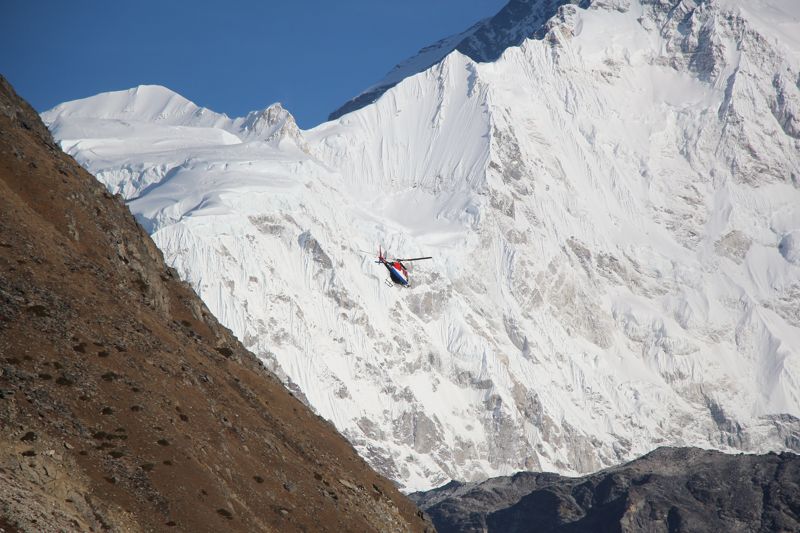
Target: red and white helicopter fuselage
397, 270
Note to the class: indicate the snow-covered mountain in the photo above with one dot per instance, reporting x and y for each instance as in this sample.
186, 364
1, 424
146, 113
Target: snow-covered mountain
485, 41
614, 214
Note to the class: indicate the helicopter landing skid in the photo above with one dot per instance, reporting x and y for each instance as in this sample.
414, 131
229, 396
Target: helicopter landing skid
388, 282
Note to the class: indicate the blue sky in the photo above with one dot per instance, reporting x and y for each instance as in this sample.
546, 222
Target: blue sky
312, 56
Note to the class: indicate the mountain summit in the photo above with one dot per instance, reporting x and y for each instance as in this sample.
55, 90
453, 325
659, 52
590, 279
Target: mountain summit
612, 209
484, 42
145, 103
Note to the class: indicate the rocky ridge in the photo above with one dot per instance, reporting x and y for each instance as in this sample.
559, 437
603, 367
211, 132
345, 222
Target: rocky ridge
670, 489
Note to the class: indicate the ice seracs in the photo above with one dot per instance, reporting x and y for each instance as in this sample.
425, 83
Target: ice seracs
613, 209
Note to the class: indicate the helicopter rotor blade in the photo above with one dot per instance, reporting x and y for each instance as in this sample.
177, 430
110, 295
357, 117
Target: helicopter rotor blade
414, 259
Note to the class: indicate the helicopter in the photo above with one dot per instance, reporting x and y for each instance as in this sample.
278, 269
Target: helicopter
397, 270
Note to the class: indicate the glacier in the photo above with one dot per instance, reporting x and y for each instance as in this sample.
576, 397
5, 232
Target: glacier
613, 207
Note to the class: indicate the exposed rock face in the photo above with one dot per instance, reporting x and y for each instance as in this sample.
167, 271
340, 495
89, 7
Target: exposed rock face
124, 404
671, 490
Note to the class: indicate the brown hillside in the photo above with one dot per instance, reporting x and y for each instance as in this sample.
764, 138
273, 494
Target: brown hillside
124, 405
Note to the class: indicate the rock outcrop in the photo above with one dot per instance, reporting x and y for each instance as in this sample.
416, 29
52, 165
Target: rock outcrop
671, 490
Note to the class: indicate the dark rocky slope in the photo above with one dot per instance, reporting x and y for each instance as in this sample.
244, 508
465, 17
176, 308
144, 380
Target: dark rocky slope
669, 490
124, 405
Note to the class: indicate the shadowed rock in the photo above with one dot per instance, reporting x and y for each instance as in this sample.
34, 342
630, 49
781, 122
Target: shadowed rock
671, 490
